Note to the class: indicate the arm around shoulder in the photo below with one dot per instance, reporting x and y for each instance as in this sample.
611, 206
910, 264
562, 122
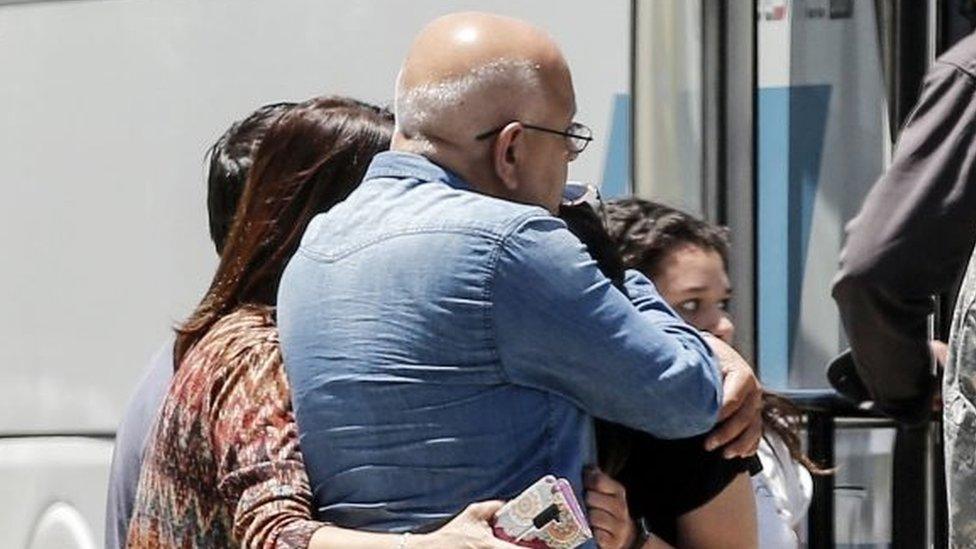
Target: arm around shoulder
561, 326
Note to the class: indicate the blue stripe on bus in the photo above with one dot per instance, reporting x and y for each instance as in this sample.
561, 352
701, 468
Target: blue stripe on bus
616, 165
773, 227
808, 124
791, 127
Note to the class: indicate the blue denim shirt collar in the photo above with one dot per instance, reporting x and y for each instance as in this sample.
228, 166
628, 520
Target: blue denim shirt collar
400, 165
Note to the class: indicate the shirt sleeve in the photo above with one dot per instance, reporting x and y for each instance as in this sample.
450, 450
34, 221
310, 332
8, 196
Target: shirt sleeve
260, 468
910, 240
562, 327
665, 479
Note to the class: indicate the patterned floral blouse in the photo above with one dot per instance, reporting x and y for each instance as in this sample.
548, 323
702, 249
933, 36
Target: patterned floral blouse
223, 467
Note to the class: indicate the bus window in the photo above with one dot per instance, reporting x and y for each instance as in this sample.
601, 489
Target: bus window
668, 103
821, 142
821, 128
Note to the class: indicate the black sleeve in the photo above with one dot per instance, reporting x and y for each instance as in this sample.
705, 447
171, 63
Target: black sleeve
910, 240
665, 479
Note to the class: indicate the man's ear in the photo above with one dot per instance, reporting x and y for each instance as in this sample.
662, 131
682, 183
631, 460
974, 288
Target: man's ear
507, 153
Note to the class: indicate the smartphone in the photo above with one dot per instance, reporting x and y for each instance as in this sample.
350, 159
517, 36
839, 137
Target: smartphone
546, 515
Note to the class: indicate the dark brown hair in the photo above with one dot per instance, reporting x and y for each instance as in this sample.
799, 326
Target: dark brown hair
310, 159
783, 417
229, 163
645, 233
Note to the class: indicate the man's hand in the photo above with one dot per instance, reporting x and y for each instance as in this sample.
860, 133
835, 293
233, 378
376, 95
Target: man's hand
606, 505
740, 420
940, 351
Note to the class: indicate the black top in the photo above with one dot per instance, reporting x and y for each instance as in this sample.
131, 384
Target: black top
665, 479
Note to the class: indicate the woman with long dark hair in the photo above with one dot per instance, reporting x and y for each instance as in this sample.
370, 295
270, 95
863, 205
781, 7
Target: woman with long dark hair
223, 466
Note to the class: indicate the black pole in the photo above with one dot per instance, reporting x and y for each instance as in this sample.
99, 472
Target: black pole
820, 520
908, 492
940, 514
909, 51
909, 63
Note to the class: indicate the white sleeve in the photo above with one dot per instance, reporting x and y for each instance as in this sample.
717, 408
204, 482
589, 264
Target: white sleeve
775, 531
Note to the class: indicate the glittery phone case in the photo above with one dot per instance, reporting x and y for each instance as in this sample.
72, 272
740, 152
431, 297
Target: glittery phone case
545, 516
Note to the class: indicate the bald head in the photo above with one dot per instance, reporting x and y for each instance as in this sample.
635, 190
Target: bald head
477, 74
473, 70
454, 45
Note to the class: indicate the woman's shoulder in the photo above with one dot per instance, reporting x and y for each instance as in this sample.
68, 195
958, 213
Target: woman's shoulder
242, 339
255, 321
245, 329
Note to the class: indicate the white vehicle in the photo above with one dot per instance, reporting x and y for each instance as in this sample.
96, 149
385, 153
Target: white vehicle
107, 109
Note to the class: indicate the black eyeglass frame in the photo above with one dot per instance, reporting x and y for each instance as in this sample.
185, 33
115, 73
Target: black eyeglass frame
570, 136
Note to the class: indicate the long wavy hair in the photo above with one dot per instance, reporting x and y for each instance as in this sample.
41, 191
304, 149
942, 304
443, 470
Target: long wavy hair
310, 159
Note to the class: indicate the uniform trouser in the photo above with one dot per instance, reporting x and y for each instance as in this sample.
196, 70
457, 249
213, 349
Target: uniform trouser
959, 397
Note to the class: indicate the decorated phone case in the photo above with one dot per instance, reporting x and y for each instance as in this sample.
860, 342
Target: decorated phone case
545, 516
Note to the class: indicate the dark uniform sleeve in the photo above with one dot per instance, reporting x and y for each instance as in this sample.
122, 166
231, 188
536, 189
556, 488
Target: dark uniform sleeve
910, 240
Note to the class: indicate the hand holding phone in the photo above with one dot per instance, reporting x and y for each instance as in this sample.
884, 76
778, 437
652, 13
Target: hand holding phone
547, 515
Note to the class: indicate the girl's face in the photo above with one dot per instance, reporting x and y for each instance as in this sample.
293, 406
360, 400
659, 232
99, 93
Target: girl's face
694, 282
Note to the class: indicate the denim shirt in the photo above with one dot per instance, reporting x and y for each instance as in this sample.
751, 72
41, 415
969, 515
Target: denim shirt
446, 347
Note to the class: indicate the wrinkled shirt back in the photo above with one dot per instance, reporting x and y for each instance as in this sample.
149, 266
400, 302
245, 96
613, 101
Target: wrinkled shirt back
446, 347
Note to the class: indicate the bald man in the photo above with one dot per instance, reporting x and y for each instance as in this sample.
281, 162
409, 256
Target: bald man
446, 337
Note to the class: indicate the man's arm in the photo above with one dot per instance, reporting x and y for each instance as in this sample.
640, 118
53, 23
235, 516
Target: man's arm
910, 240
740, 427
561, 326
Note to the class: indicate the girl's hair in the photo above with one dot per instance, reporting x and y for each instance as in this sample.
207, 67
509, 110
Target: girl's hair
782, 417
310, 159
645, 233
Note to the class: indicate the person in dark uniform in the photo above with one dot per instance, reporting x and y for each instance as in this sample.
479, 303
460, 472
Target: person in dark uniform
911, 240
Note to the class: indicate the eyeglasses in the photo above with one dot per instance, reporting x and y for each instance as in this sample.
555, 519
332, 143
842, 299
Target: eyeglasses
577, 135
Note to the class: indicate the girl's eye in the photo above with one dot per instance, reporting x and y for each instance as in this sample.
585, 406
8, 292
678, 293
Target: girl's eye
690, 306
724, 304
